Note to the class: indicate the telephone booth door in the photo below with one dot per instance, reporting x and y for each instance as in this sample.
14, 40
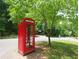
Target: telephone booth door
29, 36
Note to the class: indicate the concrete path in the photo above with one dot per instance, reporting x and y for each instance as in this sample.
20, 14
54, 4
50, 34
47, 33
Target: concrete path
8, 48
44, 38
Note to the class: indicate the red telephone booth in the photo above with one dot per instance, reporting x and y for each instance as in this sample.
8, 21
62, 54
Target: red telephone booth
26, 36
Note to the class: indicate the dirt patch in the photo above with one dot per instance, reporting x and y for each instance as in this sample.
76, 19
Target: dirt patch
38, 54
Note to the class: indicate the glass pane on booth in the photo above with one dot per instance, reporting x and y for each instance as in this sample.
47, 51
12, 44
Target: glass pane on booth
29, 39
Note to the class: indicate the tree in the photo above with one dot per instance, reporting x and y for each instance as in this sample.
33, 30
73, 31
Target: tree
40, 10
3, 16
6, 26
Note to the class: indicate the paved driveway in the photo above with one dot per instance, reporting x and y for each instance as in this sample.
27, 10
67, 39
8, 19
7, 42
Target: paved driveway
8, 48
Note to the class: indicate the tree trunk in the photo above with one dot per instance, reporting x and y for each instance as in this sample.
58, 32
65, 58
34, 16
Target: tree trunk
47, 32
49, 40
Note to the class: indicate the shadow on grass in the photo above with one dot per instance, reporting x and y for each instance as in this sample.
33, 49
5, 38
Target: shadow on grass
60, 50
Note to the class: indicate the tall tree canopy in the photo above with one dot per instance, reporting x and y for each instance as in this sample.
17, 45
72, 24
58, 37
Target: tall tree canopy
49, 12
44, 10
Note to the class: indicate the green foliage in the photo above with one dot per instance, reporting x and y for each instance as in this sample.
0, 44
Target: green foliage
3, 16
48, 12
6, 26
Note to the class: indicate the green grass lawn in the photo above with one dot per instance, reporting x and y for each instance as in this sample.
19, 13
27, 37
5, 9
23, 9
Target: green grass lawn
9, 36
60, 49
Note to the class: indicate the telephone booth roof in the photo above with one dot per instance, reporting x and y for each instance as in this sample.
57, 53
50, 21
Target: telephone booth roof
28, 20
